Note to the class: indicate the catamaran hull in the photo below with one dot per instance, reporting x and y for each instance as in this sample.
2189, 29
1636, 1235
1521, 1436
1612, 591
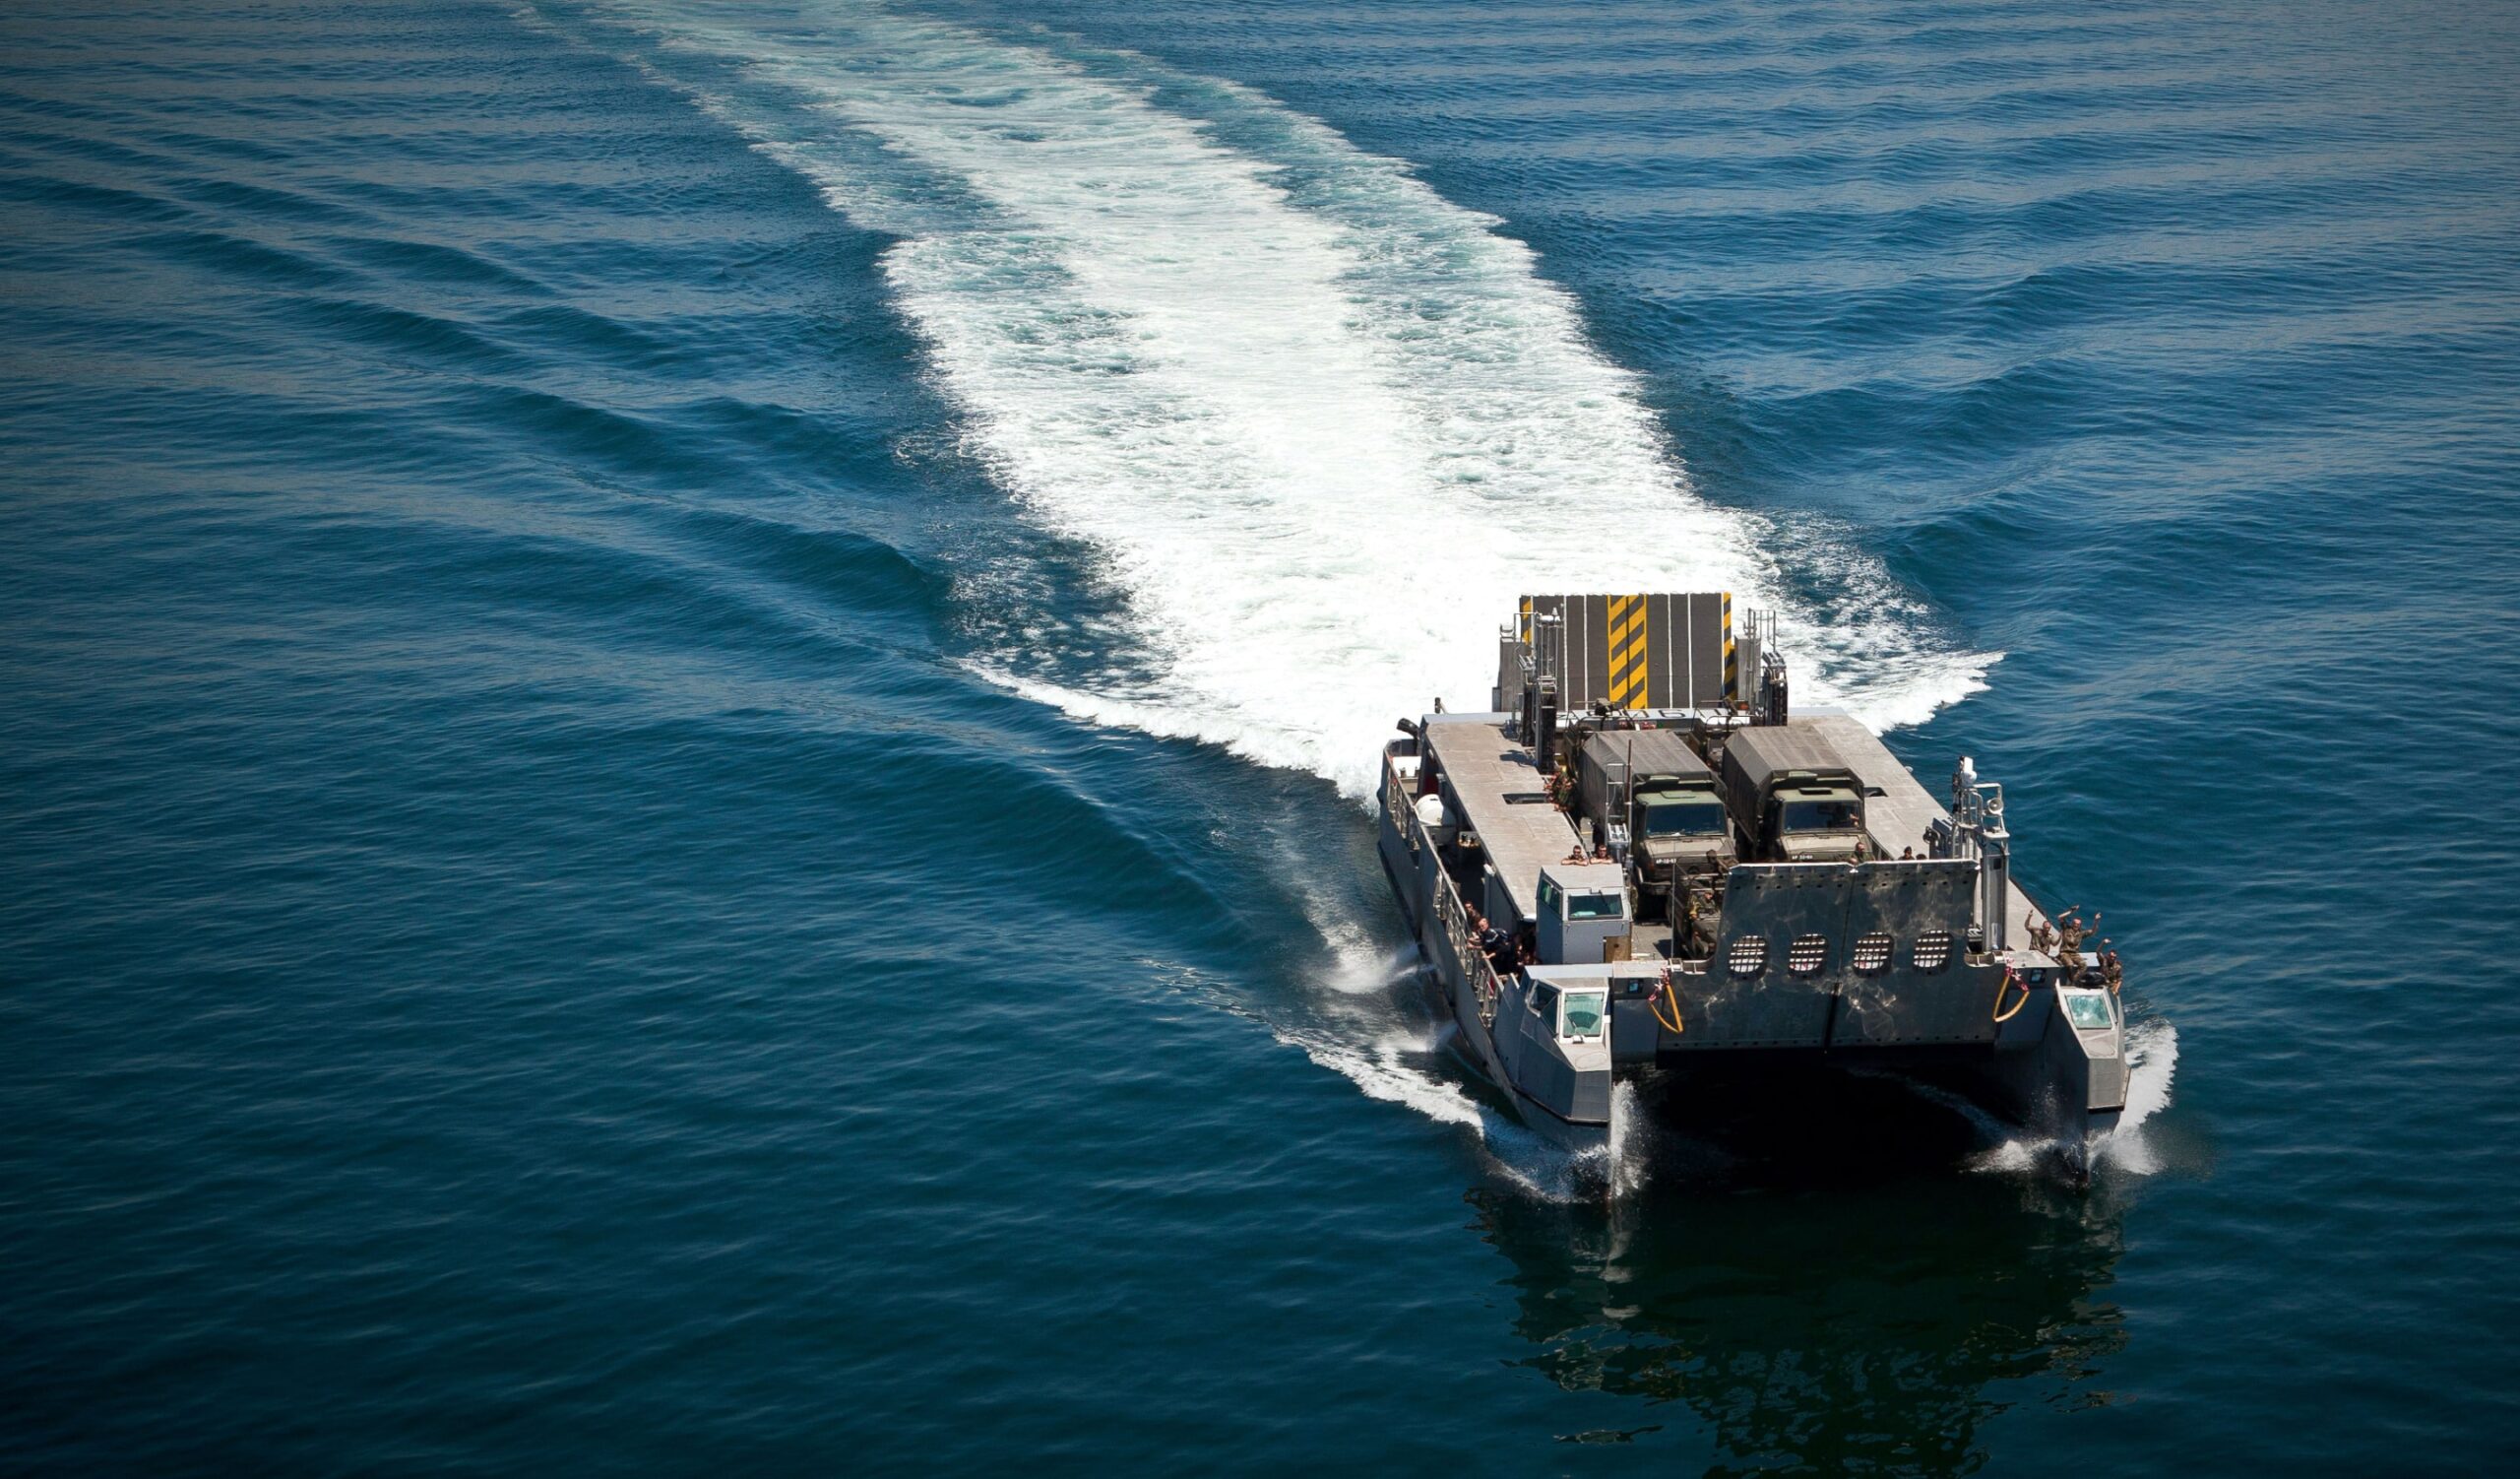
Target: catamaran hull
2027, 1058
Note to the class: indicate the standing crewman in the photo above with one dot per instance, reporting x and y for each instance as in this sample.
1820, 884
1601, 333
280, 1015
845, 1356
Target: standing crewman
1492, 943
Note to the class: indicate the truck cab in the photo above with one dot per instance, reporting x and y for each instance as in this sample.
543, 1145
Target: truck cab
1681, 827
1652, 788
1813, 819
1793, 800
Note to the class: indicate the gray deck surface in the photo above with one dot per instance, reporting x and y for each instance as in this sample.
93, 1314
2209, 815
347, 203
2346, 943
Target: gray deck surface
1650, 941
1896, 818
1480, 766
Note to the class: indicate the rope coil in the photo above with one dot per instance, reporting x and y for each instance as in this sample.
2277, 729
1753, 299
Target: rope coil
1670, 992
2010, 979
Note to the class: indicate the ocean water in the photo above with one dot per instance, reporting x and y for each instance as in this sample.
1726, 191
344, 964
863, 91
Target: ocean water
685, 691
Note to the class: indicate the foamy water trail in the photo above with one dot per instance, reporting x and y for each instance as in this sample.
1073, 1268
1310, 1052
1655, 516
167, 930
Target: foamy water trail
1357, 1024
2152, 1059
1320, 424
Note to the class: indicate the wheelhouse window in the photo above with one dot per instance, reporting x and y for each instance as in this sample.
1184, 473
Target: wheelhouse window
1582, 1017
1593, 906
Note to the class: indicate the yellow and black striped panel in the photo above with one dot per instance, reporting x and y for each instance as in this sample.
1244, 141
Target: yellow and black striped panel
1629, 643
1642, 652
1731, 656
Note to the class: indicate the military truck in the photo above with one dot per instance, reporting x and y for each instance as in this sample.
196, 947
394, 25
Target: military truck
1793, 799
1652, 783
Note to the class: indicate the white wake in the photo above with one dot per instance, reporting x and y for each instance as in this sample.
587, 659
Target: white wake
1320, 426
2152, 1062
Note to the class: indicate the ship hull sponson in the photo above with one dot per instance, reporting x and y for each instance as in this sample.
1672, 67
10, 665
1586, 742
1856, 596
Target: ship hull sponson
2025, 1063
1472, 995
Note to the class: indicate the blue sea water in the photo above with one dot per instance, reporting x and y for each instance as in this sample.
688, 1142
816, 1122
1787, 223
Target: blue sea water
684, 687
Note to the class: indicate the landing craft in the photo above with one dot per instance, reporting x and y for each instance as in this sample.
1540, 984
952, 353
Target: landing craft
1640, 860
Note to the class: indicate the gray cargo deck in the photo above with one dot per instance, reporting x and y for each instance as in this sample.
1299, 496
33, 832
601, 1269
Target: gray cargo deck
1482, 768
1896, 817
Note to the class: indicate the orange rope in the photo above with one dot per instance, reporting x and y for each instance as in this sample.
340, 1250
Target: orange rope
1671, 994
2010, 979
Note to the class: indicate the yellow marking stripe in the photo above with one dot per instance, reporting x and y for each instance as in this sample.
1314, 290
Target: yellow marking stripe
1731, 656
1628, 647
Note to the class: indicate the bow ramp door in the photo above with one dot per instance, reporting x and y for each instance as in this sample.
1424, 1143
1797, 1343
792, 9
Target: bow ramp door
1636, 652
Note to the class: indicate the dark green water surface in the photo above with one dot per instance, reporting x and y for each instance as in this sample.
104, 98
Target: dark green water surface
683, 693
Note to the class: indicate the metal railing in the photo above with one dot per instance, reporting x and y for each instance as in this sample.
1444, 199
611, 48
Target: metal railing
1450, 912
1455, 919
1404, 812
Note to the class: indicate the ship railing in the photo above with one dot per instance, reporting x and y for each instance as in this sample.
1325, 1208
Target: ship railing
1399, 800
1404, 812
1473, 961
1482, 984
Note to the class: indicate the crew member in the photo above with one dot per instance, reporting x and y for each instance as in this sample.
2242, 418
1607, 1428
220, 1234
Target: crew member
1492, 943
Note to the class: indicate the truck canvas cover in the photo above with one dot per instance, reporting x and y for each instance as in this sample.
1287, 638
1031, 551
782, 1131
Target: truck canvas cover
1755, 754
1645, 753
